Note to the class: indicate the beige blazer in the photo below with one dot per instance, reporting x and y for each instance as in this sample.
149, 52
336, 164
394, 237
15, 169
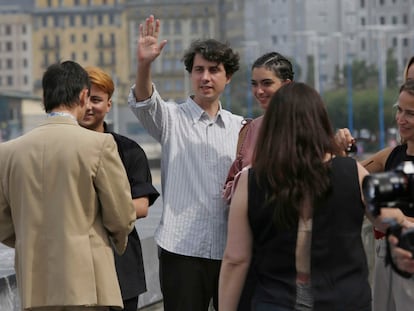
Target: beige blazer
61, 192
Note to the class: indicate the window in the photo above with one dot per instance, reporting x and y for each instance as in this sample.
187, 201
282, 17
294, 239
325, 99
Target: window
394, 20
84, 20
44, 21
405, 42
24, 29
73, 56
45, 60
101, 39
24, 46
9, 80
394, 41
25, 80
405, 19
9, 63
206, 26
179, 85
167, 86
274, 39
362, 21
101, 58
9, 46
166, 65
25, 63
381, 2
194, 26
362, 3
166, 27
178, 46
8, 30
363, 45
177, 27
113, 39
72, 20
85, 56
382, 20
84, 38
72, 38
100, 19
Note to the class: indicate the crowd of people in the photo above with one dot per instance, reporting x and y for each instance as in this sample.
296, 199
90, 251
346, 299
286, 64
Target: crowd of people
261, 214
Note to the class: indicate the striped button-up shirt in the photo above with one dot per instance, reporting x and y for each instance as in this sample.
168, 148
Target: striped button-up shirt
196, 155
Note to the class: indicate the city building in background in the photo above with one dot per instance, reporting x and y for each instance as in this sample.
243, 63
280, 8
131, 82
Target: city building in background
321, 37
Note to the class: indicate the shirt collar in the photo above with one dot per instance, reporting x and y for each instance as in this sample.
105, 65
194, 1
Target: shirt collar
198, 114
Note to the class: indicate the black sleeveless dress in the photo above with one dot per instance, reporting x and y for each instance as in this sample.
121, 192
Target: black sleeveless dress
339, 272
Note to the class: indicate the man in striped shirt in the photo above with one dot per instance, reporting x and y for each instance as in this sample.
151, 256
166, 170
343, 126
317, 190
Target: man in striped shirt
198, 141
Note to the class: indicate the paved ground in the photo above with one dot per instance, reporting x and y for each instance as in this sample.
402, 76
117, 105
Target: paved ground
155, 307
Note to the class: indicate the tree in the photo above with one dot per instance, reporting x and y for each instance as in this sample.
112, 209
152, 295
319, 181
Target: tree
391, 69
310, 75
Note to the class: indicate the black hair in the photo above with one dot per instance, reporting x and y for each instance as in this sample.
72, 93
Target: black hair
62, 83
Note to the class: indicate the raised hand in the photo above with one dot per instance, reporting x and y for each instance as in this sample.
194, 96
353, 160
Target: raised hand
148, 47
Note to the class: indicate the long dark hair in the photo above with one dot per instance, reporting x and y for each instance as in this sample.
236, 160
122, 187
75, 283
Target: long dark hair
295, 136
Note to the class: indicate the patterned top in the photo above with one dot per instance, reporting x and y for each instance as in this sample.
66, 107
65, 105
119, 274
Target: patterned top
197, 152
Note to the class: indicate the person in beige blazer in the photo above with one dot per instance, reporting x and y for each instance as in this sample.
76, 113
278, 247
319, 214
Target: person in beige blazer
61, 189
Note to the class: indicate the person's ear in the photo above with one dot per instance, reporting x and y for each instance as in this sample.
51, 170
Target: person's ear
84, 97
109, 105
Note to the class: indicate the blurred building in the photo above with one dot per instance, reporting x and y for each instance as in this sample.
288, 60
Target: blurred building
15, 47
321, 36
86, 31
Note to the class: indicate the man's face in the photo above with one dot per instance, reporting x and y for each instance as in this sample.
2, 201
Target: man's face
208, 80
99, 105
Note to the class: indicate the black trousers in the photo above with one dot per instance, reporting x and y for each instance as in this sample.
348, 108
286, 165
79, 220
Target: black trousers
188, 283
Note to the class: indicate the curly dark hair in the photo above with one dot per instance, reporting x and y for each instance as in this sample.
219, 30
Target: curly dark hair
213, 51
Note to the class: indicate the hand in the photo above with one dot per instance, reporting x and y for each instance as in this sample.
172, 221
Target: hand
344, 139
148, 47
402, 258
387, 216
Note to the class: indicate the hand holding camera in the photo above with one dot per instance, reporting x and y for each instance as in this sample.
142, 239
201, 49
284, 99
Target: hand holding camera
386, 194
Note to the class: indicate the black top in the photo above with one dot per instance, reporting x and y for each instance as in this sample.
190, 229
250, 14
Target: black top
130, 266
398, 155
339, 272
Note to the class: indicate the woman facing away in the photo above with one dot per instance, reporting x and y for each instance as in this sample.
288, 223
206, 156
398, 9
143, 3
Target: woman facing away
301, 209
269, 72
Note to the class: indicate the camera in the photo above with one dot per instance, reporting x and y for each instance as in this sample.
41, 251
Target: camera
392, 189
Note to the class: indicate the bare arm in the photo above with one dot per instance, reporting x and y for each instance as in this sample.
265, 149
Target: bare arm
376, 163
148, 50
238, 250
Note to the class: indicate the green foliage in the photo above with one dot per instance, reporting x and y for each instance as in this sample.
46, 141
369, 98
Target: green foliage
365, 105
392, 69
310, 77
